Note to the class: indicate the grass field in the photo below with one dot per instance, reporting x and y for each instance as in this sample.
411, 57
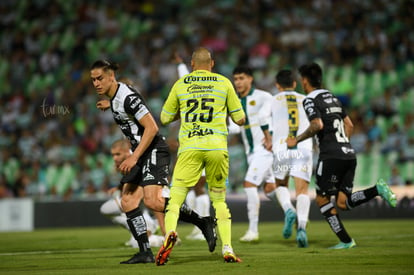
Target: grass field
384, 247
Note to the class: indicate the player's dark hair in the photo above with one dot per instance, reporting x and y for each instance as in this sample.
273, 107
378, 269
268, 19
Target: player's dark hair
313, 73
285, 78
104, 65
243, 70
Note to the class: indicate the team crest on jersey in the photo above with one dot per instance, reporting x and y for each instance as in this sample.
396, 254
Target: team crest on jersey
253, 102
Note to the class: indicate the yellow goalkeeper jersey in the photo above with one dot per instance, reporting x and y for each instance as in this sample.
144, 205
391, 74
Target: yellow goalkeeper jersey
203, 100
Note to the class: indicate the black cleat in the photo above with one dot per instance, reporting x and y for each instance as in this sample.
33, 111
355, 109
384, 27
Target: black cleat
141, 258
209, 231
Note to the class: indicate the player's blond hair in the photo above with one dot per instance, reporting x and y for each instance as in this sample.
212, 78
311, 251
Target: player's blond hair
201, 56
121, 143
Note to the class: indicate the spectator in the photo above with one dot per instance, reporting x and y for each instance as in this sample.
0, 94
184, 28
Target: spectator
394, 140
395, 178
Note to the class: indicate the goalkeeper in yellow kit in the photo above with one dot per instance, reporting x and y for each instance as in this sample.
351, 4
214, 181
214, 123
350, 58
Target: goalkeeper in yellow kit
201, 100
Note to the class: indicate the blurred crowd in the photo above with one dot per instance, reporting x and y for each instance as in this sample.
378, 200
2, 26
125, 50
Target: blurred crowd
54, 143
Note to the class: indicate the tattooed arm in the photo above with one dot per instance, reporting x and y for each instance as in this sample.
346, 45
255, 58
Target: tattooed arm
315, 126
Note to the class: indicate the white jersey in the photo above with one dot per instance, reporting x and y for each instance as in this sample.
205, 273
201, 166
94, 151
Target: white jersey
289, 119
256, 106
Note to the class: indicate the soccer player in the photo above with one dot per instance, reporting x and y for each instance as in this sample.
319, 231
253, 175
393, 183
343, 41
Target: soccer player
147, 166
257, 142
120, 150
197, 198
289, 118
337, 162
202, 100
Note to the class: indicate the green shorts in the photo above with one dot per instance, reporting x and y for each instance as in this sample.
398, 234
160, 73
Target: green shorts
190, 164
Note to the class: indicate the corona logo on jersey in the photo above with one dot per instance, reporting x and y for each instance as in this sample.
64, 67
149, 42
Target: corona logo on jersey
191, 78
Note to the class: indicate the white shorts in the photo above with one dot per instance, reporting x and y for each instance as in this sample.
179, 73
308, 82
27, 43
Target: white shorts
260, 168
295, 163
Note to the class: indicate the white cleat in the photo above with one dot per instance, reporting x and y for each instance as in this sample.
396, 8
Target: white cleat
156, 240
250, 236
195, 235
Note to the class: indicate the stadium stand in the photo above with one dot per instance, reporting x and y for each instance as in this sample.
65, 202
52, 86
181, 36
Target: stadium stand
54, 143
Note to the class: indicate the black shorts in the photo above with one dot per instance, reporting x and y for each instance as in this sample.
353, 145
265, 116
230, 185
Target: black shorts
334, 175
151, 169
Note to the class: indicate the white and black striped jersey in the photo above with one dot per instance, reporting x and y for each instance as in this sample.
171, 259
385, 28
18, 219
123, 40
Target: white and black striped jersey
332, 139
128, 107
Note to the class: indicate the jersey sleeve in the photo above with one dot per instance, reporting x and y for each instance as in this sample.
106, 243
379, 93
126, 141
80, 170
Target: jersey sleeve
310, 109
266, 112
234, 106
182, 70
134, 105
232, 127
171, 107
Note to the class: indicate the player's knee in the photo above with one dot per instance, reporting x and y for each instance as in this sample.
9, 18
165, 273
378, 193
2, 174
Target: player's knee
341, 204
217, 194
155, 203
269, 187
341, 201
128, 203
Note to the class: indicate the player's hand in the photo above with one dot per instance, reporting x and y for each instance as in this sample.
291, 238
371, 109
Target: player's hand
103, 104
127, 164
267, 144
291, 141
177, 58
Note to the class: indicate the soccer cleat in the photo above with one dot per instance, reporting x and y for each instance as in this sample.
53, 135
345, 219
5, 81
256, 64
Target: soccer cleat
386, 193
195, 235
250, 237
342, 245
141, 258
229, 256
165, 250
208, 228
290, 218
302, 238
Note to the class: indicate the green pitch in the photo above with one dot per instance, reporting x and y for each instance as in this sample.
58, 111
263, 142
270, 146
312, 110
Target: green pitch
383, 247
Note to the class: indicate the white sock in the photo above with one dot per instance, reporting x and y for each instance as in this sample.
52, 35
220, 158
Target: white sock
202, 205
111, 207
283, 195
253, 205
302, 208
121, 220
190, 199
